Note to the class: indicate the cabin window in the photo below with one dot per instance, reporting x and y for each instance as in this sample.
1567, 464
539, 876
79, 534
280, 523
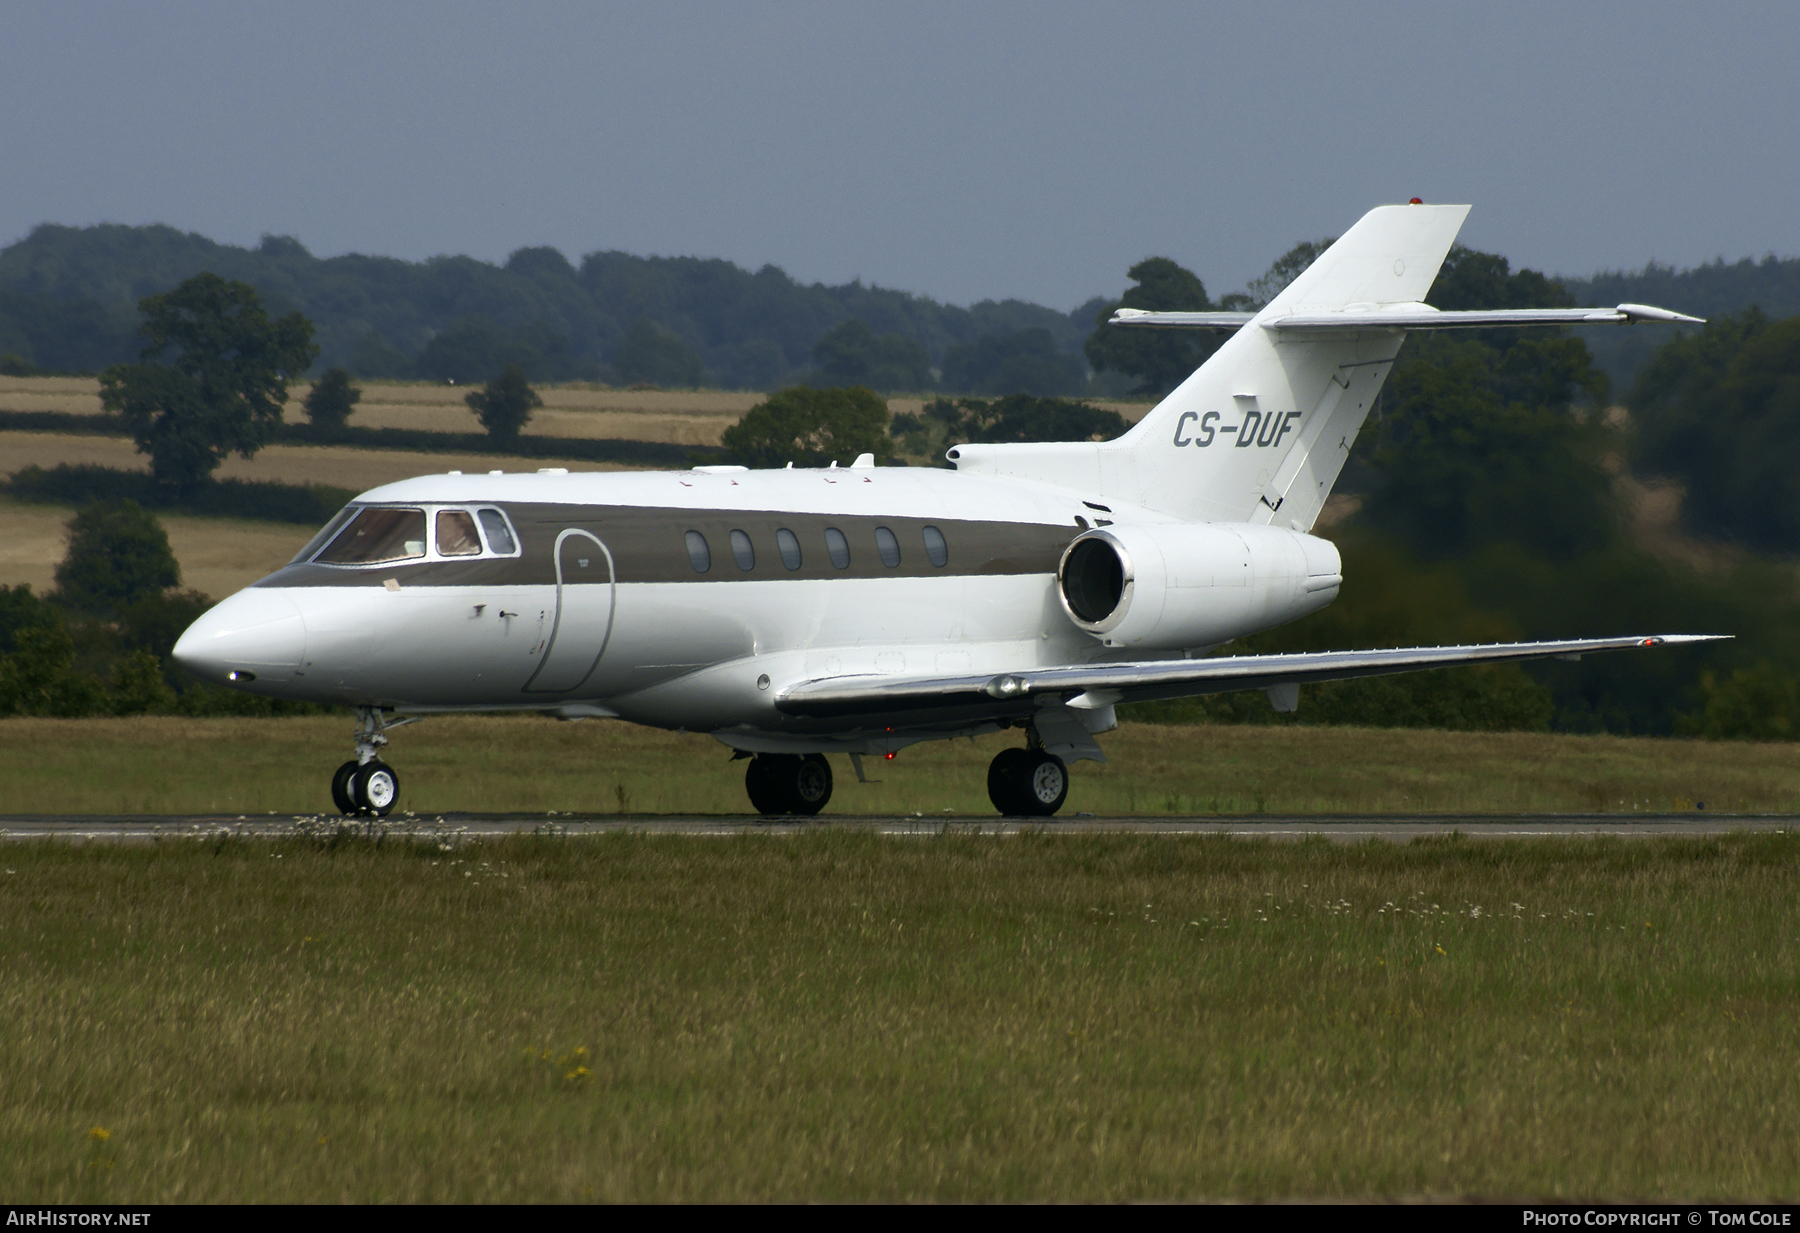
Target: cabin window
377, 535
888, 546
325, 534
838, 547
936, 548
789, 547
499, 534
699, 555
742, 552
456, 535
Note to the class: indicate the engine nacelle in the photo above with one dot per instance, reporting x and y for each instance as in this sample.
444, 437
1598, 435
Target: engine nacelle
1179, 585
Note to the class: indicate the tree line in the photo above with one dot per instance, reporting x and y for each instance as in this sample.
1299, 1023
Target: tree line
68, 303
1488, 476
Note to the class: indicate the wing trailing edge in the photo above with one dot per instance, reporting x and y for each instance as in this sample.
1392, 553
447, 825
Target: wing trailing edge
1144, 681
1402, 317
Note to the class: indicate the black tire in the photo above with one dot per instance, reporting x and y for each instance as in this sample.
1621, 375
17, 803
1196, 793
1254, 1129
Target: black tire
769, 779
1007, 781
340, 788
1045, 785
375, 788
811, 785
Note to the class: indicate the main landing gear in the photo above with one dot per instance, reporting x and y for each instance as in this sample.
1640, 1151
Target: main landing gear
1027, 783
366, 786
788, 783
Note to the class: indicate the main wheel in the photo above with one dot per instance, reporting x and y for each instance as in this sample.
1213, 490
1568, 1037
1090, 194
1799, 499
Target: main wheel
1006, 780
1046, 785
340, 788
811, 785
769, 779
375, 788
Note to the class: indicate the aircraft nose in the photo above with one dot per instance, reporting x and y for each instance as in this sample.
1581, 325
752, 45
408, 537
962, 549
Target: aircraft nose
256, 635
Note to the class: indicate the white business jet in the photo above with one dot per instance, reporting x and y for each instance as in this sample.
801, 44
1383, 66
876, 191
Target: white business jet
798, 613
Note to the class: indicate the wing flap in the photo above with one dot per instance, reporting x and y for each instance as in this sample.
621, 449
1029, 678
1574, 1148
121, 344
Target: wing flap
1154, 679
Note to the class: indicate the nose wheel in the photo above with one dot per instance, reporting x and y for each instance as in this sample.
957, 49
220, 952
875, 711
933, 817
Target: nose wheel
366, 785
1027, 783
788, 783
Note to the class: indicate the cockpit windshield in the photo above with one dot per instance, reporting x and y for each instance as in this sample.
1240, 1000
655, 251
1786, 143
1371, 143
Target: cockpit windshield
377, 535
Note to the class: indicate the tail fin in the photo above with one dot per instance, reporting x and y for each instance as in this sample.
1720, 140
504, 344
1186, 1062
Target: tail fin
1260, 432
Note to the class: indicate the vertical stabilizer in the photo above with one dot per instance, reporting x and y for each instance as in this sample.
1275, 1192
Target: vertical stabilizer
1260, 431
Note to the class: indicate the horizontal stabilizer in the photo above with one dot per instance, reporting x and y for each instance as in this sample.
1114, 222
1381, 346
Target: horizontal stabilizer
1172, 678
1403, 317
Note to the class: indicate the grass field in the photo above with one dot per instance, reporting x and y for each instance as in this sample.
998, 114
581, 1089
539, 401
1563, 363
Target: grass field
527, 764
839, 1016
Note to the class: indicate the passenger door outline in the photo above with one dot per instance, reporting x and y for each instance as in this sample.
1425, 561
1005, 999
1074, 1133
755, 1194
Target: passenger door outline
567, 652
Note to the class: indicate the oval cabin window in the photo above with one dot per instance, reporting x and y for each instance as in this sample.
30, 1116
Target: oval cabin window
742, 552
935, 547
887, 546
838, 548
699, 555
789, 547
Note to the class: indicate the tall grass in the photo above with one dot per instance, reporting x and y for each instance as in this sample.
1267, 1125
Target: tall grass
838, 1015
533, 765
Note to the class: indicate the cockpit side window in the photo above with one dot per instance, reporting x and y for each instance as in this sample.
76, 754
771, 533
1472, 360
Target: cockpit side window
377, 535
499, 533
456, 535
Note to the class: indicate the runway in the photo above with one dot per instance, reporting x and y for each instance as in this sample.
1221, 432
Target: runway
1342, 828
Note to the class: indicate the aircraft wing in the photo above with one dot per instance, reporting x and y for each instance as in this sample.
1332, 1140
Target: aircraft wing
1404, 317
1144, 681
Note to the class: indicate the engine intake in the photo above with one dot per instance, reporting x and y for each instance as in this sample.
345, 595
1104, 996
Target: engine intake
1178, 586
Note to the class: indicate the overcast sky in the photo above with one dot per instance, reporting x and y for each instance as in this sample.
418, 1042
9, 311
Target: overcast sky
963, 150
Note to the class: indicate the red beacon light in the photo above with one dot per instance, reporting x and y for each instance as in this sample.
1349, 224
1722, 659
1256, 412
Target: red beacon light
1415, 201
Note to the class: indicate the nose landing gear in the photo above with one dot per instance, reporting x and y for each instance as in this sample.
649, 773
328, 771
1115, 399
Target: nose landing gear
366, 785
788, 783
1027, 783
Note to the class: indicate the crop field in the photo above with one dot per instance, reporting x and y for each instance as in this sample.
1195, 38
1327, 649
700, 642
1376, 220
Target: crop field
682, 417
836, 1015
528, 764
340, 466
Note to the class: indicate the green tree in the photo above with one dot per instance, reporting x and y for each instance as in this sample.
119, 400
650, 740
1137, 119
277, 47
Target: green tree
505, 405
850, 354
211, 379
810, 428
1755, 704
118, 554
1159, 359
648, 354
330, 401
1017, 417
1720, 411
1475, 447
1477, 439
1026, 362
19, 610
1289, 266
39, 678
